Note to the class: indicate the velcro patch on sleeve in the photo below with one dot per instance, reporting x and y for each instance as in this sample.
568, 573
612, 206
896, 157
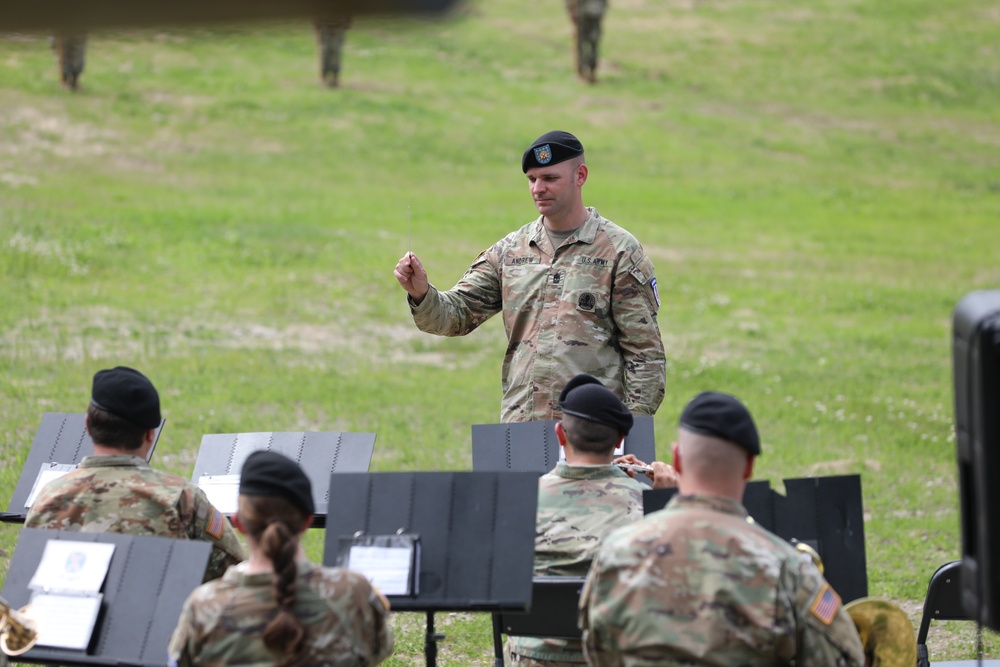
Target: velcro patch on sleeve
826, 604
216, 524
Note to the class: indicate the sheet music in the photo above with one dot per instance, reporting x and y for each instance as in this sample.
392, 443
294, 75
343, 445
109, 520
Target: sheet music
72, 567
65, 621
223, 491
46, 473
388, 568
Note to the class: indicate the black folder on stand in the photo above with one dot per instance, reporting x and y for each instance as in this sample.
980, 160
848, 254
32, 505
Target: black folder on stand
147, 582
61, 438
476, 533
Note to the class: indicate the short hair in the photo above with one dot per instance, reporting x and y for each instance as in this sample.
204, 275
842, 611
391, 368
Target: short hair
109, 430
590, 437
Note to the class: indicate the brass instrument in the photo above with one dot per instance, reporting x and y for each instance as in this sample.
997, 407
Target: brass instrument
886, 633
17, 631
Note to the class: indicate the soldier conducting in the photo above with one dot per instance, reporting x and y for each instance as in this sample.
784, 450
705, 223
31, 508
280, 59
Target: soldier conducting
116, 491
576, 291
580, 502
277, 607
699, 584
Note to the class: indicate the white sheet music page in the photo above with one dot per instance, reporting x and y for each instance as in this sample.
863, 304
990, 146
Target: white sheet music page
388, 568
46, 473
77, 568
66, 597
223, 491
65, 621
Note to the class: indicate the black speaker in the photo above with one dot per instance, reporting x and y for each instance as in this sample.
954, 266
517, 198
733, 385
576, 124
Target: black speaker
976, 348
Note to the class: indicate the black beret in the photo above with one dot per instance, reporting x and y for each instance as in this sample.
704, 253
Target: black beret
722, 416
271, 474
127, 393
585, 397
551, 148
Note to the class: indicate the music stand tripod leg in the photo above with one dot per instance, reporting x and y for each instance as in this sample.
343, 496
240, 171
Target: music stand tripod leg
430, 641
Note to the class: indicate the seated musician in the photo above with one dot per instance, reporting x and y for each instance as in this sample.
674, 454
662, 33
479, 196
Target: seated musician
581, 501
697, 583
277, 607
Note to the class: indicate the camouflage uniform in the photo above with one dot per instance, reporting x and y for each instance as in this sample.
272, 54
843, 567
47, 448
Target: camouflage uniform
588, 307
222, 621
71, 50
123, 494
330, 34
587, 15
697, 584
577, 507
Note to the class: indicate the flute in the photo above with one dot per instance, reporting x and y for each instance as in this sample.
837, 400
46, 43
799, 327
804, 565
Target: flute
634, 467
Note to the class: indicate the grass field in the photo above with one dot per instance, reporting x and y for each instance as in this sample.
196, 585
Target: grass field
818, 186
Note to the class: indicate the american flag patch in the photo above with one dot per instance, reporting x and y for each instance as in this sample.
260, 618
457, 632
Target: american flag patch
217, 522
826, 604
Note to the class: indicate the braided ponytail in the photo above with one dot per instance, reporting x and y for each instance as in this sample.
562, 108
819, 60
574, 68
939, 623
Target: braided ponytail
275, 524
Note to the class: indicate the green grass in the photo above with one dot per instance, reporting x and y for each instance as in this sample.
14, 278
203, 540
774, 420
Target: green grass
817, 185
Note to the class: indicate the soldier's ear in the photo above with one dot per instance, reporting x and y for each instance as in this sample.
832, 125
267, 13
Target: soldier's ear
675, 455
561, 434
237, 524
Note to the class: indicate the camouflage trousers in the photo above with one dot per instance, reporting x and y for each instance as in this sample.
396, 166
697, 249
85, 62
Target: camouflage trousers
331, 33
514, 660
587, 16
71, 49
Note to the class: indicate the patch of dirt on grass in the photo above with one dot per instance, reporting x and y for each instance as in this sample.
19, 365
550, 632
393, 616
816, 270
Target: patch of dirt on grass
36, 131
78, 334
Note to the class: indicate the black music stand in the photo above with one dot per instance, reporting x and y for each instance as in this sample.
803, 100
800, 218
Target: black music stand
148, 580
533, 447
825, 513
476, 533
61, 438
318, 453
555, 602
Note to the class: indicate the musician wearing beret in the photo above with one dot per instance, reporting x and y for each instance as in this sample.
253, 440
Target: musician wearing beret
116, 491
577, 293
580, 502
698, 583
277, 608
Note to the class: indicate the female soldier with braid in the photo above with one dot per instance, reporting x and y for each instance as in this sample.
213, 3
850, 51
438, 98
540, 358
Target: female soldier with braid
278, 608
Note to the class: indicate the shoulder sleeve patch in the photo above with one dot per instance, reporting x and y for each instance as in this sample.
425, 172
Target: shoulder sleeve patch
642, 270
825, 605
216, 524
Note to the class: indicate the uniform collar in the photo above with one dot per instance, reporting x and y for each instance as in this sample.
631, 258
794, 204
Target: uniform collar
567, 471
114, 460
705, 501
585, 234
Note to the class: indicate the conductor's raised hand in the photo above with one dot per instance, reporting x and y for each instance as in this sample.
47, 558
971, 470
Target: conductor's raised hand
412, 276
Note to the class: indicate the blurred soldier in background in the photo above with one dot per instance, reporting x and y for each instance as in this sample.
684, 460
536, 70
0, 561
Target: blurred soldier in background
330, 33
70, 48
587, 15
